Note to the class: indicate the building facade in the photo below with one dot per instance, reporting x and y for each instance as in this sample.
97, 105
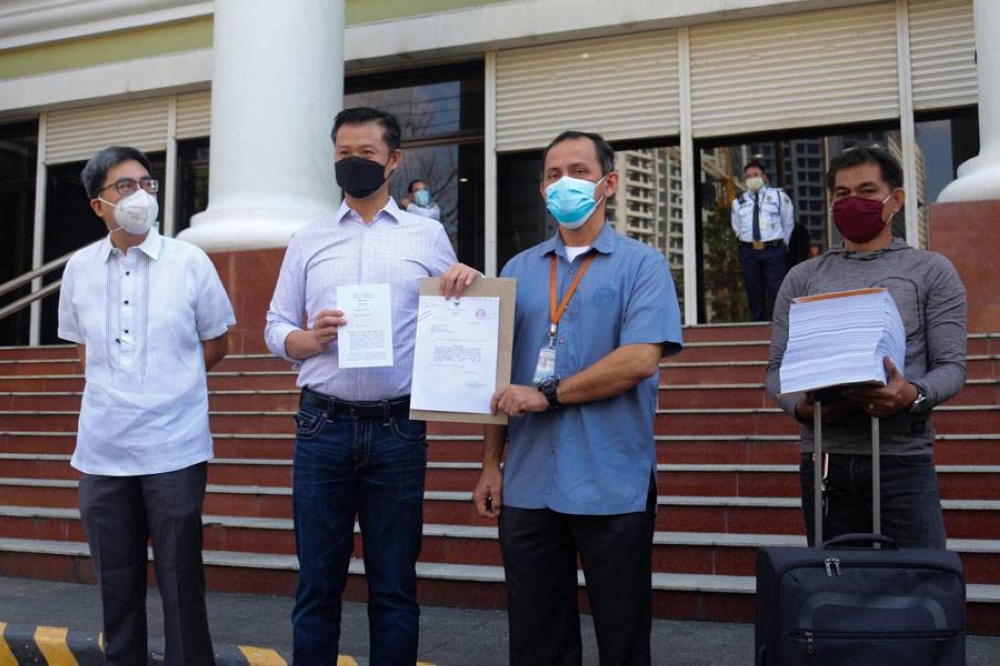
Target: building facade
233, 101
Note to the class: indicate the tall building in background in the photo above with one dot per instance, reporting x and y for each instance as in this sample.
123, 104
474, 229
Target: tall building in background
647, 206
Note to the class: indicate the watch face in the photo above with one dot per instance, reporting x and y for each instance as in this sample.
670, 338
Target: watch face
548, 387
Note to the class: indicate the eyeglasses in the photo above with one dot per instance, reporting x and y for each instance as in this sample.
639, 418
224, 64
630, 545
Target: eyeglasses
126, 186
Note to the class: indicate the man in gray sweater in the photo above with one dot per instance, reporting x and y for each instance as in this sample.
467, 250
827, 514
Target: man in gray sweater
866, 191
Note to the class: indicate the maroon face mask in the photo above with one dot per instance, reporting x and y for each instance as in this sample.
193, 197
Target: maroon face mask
859, 219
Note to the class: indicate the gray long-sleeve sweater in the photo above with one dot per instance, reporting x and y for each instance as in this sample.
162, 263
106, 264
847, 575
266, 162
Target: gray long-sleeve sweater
931, 301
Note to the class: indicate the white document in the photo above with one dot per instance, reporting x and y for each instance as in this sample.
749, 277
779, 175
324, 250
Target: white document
365, 341
455, 358
840, 339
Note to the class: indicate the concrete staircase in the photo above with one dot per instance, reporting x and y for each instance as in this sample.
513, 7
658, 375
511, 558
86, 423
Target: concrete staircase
728, 481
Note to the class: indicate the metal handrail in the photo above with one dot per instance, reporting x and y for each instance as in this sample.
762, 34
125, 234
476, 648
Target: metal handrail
41, 271
22, 280
25, 301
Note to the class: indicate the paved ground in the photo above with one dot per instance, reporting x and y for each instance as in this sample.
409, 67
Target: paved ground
449, 636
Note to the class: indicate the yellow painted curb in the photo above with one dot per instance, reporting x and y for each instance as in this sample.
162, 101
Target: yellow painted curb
6, 656
262, 656
51, 642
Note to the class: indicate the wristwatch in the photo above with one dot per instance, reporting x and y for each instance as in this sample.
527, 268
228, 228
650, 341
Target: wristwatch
548, 387
920, 403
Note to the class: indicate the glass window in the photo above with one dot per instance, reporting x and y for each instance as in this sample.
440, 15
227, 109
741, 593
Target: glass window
522, 220
720, 173
18, 165
192, 181
441, 113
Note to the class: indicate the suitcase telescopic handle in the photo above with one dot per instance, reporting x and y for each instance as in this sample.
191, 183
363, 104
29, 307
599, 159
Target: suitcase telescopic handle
818, 474
871, 540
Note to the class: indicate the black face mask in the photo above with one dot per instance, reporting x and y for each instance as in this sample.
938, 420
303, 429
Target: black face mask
359, 177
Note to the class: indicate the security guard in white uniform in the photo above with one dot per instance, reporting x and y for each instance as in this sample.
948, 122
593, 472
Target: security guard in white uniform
763, 220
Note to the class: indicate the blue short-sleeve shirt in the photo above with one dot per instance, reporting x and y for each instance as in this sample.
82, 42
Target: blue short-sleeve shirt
595, 458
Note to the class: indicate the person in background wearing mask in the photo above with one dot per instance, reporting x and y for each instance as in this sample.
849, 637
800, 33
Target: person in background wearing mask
420, 201
762, 219
149, 316
866, 190
357, 453
580, 473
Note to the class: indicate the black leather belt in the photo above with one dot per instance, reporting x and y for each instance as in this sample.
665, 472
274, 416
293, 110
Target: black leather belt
770, 243
375, 409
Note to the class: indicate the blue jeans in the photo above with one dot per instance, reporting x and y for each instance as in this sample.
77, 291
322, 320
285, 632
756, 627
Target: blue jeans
373, 469
911, 504
763, 271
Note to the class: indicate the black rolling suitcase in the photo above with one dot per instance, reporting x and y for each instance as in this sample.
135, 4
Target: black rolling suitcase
858, 600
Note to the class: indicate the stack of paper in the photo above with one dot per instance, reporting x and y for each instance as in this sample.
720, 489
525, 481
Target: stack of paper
841, 338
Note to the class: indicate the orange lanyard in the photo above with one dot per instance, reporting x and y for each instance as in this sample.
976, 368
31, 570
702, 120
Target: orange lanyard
556, 313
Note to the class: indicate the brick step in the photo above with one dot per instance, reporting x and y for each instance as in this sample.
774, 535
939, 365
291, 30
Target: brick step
283, 400
973, 482
271, 472
966, 419
711, 335
39, 383
749, 349
966, 519
675, 596
728, 351
217, 381
234, 422
672, 373
23, 352
982, 344
253, 362
453, 448
673, 552
741, 332
956, 482
707, 396
950, 449
681, 371
686, 396
252, 381
68, 365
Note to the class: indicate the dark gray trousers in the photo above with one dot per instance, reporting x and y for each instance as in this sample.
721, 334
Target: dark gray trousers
120, 514
540, 549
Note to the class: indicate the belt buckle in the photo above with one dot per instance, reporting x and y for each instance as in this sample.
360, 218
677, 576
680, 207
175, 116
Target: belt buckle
758, 245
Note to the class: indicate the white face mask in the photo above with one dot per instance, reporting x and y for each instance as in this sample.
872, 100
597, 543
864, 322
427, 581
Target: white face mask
135, 213
755, 183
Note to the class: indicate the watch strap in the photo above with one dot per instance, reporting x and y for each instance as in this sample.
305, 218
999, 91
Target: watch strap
549, 388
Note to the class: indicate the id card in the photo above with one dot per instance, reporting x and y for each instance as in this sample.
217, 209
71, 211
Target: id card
546, 366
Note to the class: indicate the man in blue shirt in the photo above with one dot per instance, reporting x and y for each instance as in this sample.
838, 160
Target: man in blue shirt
580, 472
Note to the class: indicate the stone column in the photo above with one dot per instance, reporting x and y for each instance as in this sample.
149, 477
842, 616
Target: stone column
277, 83
963, 221
979, 178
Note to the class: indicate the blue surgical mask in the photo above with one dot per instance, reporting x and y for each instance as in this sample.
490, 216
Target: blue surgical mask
571, 201
422, 197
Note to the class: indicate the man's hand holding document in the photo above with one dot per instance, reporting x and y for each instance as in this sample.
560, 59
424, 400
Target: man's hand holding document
842, 339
